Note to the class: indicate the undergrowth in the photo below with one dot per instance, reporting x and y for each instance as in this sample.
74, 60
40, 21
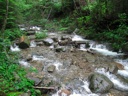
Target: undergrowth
12, 75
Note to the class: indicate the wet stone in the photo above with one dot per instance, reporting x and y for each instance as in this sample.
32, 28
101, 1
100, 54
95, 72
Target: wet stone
55, 39
37, 81
59, 49
113, 68
99, 83
65, 91
29, 57
67, 63
63, 42
90, 59
48, 41
40, 43
25, 94
51, 68
76, 83
46, 81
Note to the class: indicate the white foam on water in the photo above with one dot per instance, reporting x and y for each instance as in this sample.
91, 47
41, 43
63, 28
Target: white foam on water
57, 64
15, 48
123, 62
98, 46
105, 52
102, 49
74, 94
85, 86
82, 46
52, 34
32, 43
77, 38
35, 28
123, 73
22, 29
35, 57
113, 78
51, 47
24, 63
57, 94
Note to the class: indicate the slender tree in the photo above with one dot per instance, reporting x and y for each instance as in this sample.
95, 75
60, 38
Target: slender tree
5, 17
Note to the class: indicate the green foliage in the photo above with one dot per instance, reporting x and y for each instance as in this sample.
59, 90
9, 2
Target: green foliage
100, 21
119, 37
41, 35
47, 9
12, 76
63, 29
4, 43
12, 33
14, 93
57, 6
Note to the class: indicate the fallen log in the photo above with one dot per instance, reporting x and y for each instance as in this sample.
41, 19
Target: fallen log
47, 88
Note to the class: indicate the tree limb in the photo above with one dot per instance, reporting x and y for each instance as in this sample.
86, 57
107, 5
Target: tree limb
47, 88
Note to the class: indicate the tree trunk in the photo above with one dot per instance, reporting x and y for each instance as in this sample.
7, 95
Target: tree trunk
4, 26
5, 18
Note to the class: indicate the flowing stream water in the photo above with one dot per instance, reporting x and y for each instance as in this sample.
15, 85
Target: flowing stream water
84, 87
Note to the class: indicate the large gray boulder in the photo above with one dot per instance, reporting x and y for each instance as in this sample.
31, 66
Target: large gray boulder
99, 83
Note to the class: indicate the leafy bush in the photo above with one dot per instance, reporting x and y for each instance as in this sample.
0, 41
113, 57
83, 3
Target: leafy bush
41, 35
12, 33
12, 77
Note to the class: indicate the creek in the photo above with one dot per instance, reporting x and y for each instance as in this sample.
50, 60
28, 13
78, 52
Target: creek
66, 61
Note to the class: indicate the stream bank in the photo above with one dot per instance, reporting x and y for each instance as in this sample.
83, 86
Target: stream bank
74, 66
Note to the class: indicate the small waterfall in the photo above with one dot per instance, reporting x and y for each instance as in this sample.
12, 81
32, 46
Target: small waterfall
57, 64
14, 48
116, 81
95, 46
47, 61
125, 64
24, 63
77, 38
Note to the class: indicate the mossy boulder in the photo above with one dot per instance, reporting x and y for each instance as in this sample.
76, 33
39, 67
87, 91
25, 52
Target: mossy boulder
99, 83
24, 42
